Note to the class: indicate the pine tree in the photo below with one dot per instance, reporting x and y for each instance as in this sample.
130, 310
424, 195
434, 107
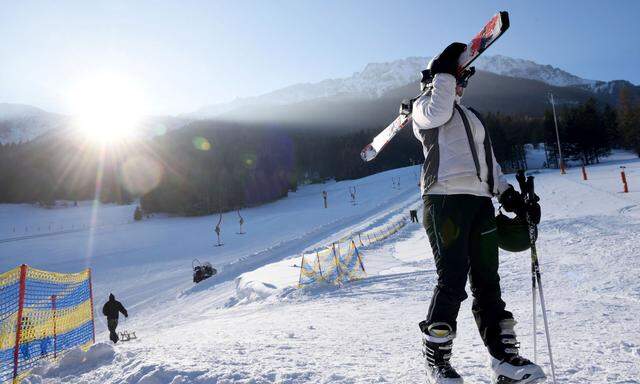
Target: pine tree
629, 121
610, 123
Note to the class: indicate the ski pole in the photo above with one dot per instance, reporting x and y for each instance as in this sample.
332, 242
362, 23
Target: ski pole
524, 190
546, 324
530, 199
534, 311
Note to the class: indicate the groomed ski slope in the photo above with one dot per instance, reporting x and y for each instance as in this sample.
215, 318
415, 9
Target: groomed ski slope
250, 325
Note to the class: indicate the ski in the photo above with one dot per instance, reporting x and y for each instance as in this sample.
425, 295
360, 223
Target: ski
495, 28
383, 138
498, 24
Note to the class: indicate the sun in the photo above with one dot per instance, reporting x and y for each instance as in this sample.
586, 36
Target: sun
107, 107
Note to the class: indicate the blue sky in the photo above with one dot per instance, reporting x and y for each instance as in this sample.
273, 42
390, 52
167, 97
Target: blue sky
186, 54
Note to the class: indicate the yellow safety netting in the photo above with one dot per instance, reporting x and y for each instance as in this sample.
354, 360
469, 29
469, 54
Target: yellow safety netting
341, 261
42, 314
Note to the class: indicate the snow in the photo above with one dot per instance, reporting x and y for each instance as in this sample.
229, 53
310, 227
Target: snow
76, 362
527, 69
249, 324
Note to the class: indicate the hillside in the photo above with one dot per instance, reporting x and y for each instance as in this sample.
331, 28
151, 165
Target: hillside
19, 123
360, 333
487, 92
379, 80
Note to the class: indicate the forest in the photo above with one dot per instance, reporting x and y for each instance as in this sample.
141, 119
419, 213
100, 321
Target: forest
213, 166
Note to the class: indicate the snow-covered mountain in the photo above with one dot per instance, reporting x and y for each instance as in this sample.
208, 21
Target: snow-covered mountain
19, 122
527, 69
374, 82
377, 78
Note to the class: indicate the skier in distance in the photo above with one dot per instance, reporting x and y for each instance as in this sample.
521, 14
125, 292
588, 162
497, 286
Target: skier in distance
111, 310
459, 177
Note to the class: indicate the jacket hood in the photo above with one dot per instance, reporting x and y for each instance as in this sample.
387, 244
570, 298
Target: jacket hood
111, 297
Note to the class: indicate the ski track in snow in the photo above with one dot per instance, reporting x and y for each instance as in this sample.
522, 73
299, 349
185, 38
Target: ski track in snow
366, 331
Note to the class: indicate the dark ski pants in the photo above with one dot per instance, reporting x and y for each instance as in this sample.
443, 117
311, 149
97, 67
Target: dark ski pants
112, 324
462, 233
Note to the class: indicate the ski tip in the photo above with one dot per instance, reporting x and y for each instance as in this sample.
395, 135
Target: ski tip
504, 21
368, 153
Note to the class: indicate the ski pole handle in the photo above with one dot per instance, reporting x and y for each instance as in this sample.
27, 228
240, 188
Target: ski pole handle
530, 189
522, 182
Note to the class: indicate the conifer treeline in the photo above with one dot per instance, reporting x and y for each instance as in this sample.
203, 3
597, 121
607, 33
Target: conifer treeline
211, 166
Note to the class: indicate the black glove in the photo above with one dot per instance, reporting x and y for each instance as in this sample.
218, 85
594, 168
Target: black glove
447, 61
511, 200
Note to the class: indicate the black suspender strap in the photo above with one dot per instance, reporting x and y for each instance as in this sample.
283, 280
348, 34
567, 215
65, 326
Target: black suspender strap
488, 151
472, 144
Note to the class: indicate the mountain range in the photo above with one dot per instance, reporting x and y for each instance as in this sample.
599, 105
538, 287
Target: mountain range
19, 122
367, 98
376, 79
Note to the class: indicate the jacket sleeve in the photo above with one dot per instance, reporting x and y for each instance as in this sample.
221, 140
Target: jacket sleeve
435, 108
104, 309
122, 310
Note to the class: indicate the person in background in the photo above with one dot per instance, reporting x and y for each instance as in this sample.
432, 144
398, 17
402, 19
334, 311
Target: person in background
414, 215
112, 310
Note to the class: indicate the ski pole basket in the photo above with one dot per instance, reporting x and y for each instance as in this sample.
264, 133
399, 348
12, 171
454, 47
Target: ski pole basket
202, 271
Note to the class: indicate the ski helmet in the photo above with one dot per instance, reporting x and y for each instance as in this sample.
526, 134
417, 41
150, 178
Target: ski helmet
513, 233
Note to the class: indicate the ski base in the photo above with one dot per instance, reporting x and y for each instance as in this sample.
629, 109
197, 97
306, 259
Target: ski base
371, 150
368, 153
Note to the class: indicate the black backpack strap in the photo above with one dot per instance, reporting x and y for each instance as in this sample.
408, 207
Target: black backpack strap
488, 150
472, 145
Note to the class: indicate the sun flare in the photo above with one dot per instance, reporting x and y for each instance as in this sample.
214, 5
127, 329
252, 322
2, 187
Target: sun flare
107, 108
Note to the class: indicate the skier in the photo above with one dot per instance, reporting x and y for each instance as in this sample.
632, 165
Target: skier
413, 213
460, 175
111, 310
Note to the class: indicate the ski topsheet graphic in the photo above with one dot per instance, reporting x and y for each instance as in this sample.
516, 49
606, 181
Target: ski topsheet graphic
498, 24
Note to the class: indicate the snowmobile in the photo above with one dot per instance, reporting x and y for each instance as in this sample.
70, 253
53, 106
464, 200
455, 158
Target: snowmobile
202, 271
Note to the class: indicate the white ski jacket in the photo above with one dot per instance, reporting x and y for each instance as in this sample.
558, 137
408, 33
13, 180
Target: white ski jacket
458, 155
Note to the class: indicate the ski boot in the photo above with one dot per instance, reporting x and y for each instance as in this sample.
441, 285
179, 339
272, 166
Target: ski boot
437, 341
507, 365
113, 336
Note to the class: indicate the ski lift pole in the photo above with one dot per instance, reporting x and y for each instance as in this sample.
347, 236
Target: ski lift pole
555, 122
535, 266
217, 230
241, 221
